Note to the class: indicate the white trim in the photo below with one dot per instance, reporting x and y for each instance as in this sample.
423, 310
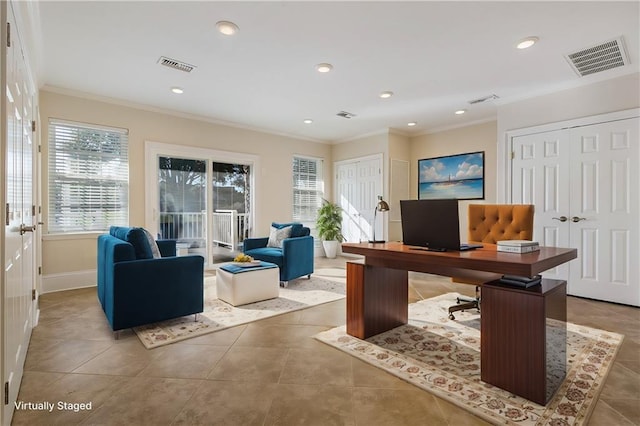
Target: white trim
362, 135
91, 126
69, 281
188, 116
152, 150
446, 128
504, 145
378, 156
93, 235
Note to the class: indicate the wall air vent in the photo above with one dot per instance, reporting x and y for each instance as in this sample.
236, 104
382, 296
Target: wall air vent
175, 64
484, 99
345, 114
605, 56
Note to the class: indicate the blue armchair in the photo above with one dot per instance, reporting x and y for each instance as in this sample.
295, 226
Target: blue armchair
294, 258
134, 288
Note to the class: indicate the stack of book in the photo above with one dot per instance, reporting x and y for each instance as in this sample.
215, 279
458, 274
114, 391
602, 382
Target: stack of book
518, 281
518, 246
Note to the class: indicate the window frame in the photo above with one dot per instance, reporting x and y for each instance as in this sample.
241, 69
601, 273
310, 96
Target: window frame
69, 174
308, 221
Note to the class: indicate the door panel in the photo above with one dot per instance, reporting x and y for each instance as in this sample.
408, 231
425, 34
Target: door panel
606, 208
19, 246
358, 185
349, 200
539, 171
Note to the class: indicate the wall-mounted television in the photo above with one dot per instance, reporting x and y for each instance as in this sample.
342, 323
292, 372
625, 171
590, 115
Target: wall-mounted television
459, 176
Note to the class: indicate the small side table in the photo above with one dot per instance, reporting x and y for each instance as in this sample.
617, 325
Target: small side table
523, 340
239, 286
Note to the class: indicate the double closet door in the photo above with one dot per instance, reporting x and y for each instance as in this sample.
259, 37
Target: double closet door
584, 182
358, 185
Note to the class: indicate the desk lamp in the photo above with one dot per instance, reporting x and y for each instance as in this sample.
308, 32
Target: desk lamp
382, 206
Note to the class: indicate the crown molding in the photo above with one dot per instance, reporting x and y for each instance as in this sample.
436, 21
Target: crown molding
149, 108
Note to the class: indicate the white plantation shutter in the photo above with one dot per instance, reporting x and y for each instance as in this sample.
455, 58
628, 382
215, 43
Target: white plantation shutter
88, 177
307, 188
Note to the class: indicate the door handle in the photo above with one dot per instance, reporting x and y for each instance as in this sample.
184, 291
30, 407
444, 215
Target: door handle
561, 218
576, 219
24, 229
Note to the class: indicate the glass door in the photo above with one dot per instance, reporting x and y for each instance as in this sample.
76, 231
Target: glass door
183, 203
231, 201
202, 198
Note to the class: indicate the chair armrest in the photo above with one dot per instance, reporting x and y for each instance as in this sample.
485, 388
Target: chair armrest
158, 271
253, 243
167, 247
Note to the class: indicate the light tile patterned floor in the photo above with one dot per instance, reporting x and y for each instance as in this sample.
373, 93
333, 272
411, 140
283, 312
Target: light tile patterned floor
264, 373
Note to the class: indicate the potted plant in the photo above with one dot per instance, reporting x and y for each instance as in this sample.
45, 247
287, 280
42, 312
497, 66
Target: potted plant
329, 226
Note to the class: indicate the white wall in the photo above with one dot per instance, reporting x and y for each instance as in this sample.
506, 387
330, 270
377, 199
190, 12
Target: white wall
274, 203
617, 94
606, 96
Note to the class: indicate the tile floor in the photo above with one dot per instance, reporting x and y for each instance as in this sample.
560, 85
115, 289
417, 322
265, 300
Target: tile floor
270, 372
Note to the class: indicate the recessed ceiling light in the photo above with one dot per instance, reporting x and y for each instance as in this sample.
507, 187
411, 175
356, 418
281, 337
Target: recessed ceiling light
307, 121
527, 42
324, 67
227, 27
411, 123
461, 111
385, 95
178, 90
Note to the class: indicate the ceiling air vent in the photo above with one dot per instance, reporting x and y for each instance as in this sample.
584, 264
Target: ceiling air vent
484, 99
345, 114
175, 64
602, 57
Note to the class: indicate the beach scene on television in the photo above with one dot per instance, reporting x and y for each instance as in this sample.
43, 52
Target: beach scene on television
458, 176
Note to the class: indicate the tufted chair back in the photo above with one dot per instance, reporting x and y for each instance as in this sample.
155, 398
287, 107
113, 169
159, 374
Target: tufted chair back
489, 223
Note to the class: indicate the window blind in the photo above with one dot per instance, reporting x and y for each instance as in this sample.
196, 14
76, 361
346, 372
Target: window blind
88, 177
307, 188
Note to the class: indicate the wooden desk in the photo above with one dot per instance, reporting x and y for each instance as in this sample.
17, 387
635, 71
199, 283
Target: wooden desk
377, 291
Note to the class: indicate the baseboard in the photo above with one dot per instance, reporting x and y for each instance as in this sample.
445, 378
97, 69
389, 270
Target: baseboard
68, 281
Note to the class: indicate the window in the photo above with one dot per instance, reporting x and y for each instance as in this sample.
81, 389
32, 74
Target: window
307, 188
88, 177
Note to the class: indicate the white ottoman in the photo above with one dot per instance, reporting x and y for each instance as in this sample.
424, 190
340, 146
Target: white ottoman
239, 286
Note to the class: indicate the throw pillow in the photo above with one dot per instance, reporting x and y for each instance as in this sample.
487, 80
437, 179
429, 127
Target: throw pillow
136, 237
155, 251
276, 235
296, 228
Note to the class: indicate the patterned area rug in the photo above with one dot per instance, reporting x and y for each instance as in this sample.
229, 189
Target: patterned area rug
443, 357
218, 315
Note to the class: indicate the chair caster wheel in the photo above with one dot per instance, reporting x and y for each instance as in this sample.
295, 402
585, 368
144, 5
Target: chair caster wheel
451, 317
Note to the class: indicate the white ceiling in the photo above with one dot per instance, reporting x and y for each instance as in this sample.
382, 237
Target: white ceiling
435, 57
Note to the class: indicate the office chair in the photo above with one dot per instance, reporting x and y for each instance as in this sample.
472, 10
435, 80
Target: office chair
490, 223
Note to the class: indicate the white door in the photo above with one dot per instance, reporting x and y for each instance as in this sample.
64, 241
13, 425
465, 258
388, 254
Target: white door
540, 177
347, 188
358, 185
19, 242
605, 214
584, 182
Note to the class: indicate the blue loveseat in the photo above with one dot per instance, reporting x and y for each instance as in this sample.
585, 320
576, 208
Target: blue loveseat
294, 258
134, 288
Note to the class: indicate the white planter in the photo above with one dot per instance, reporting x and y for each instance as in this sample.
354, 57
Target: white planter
330, 248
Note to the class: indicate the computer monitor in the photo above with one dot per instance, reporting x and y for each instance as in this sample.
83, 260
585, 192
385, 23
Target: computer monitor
433, 224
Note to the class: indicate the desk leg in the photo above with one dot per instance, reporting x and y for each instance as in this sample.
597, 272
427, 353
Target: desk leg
523, 338
377, 299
